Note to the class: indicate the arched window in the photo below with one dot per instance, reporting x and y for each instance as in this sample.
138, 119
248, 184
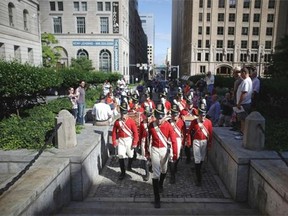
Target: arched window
25, 20
10, 13
105, 61
82, 53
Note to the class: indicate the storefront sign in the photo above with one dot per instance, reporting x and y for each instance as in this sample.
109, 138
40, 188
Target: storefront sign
93, 43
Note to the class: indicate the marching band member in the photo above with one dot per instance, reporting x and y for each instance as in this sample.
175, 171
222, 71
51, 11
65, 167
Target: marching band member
148, 101
125, 136
160, 131
165, 102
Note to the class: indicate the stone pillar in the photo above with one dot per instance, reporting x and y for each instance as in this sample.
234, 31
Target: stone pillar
66, 134
254, 132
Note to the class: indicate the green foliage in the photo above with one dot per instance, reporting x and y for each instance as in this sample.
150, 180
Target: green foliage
92, 94
82, 64
50, 55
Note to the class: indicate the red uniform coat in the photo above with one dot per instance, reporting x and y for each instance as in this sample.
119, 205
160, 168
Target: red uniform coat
197, 132
118, 131
143, 136
148, 102
167, 106
168, 131
182, 127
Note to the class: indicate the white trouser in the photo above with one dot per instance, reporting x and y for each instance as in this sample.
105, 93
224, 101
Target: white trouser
199, 150
179, 144
158, 164
125, 148
143, 150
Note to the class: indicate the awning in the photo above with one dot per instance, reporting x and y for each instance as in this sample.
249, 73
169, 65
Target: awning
185, 77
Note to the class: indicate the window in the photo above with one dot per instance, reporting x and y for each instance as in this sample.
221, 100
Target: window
244, 30
200, 3
219, 56
10, 12
100, 6
243, 57
84, 6
2, 51
30, 56
254, 45
57, 23
199, 43
17, 53
231, 17
246, 4
200, 17
82, 54
52, 6
208, 3
269, 31
230, 57
230, 44
107, 6
253, 57
25, 20
208, 18
220, 30
60, 6
104, 25
105, 61
206, 56
198, 56
245, 18
257, 4
231, 30
256, 18
271, 4
207, 30
221, 3
255, 31
200, 30
76, 6
219, 43
232, 3
202, 69
81, 26
244, 44
220, 17
268, 44
207, 45
270, 18
267, 57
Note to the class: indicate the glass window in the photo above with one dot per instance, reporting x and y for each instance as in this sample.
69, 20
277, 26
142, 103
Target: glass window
202, 69
230, 44
244, 44
81, 26
221, 3
219, 43
231, 30
208, 3
256, 18
269, 31
57, 23
230, 57
10, 12
268, 44
253, 57
255, 31
105, 61
84, 6
108, 6
208, 17
220, 17
200, 17
244, 30
76, 6
232, 3
243, 57
200, 3
271, 4
25, 19
199, 43
200, 30
207, 30
60, 6
257, 4
198, 56
254, 45
270, 18
2, 51
246, 4
30, 56
220, 30
52, 6
207, 45
245, 18
219, 56
231, 17
104, 25
82, 54
100, 6
17, 53
206, 56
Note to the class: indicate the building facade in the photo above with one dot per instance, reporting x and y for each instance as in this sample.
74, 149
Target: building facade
218, 35
98, 30
148, 25
20, 37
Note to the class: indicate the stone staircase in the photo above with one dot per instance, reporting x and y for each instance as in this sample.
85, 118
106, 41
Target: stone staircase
94, 206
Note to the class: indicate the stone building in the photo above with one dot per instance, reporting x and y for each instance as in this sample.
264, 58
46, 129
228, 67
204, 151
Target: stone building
20, 37
218, 35
98, 30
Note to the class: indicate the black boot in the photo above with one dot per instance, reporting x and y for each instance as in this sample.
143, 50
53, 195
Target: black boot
172, 166
188, 154
155, 183
129, 167
146, 168
161, 181
122, 168
198, 174
176, 165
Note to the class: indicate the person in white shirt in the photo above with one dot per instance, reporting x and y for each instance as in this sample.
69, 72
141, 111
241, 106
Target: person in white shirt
102, 113
256, 89
209, 79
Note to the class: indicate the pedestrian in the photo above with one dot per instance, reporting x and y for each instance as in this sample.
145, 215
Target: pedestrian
125, 137
163, 147
102, 112
165, 102
180, 131
200, 133
227, 111
256, 90
210, 79
214, 110
148, 101
80, 92
73, 99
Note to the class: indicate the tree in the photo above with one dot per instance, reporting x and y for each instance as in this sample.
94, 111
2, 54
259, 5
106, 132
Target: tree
82, 64
280, 63
50, 55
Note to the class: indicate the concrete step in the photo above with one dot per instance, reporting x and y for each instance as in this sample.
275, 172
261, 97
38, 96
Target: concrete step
146, 207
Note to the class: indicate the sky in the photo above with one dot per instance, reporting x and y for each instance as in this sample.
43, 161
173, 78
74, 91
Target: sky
162, 10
